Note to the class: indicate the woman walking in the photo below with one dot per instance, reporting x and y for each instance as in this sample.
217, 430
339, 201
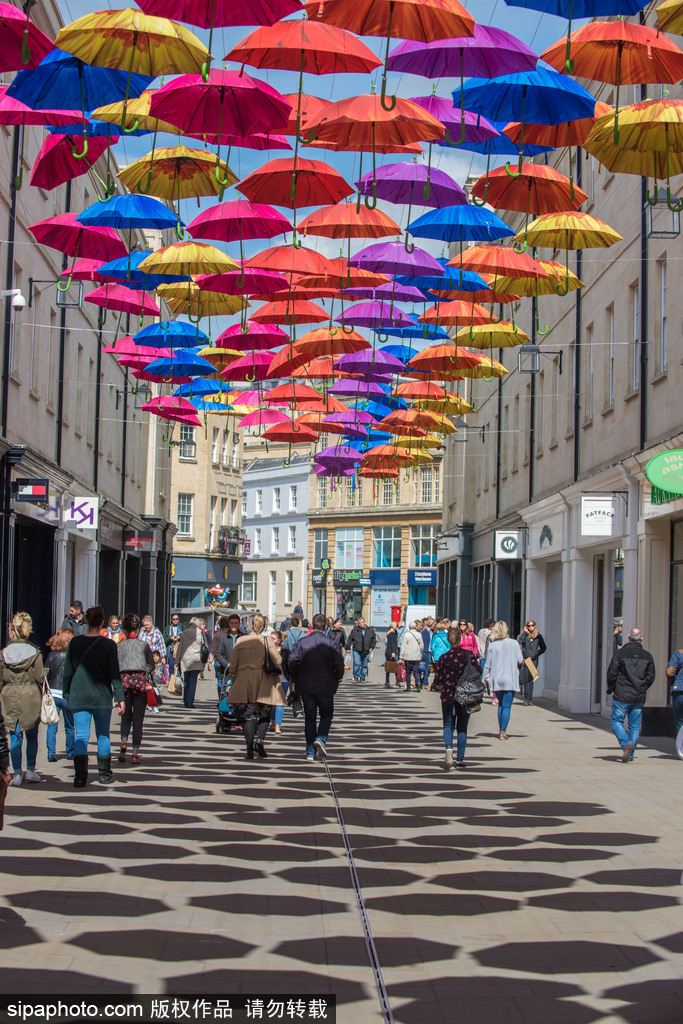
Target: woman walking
337, 634
278, 711
136, 663
440, 639
469, 640
254, 692
54, 670
502, 672
21, 690
533, 646
391, 654
449, 668
190, 660
91, 681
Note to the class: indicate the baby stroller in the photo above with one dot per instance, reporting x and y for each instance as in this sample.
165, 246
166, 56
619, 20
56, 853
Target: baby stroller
226, 718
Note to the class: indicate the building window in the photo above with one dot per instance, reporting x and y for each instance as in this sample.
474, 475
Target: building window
426, 493
289, 586
235, 450
244, 503
322, 493
233, 512
276, 540
185, 503
224, 511
635, 336
226, 447
349, 545
350, 491
386, 547
259, 502
214, 445
423, 544
291, 538
319, 547
257, 540
662, 314
277, 501
416, 485
249, 587
212, 521
610, 356
188, 448
294, 497
388, 492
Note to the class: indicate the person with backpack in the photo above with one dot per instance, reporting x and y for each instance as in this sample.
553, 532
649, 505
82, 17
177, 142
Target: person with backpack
456, 713
502, 672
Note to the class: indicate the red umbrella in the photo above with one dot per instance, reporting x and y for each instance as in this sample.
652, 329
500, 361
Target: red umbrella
248, 367
294, 183
14, 112
303, 45
84, 270
56, 164
65, 234
311, 107
242, 282
291, 433
298, 311
289, 259
22, 44
238, 219
123, 300
258, 337
221, 13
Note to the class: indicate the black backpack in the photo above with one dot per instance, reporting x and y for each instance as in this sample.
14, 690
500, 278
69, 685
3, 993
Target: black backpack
470, 689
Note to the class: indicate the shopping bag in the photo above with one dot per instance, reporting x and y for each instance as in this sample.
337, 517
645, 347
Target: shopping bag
49, 713
348, 660
173, 684
391, 666
533, 671
401, 672
153, 695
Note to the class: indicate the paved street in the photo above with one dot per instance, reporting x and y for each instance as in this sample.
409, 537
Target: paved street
542, 884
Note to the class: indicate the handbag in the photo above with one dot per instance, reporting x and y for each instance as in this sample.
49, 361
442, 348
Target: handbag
268, 665
401, 673
469, 689
295, 702
203, 651
153, 695
172, 683
49, 713
391, 666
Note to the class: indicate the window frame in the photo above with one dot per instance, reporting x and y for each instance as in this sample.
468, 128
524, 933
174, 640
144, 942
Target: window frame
189, 515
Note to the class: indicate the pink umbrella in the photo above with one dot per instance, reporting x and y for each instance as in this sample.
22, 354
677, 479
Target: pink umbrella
65, 234
238, 219
22, 44
14, 112
247, 398
123, 300
56, 164
258, 141
242, 282
249, 368
220, 13
258, 337
127, 347
84, 270
170, 408
261, 417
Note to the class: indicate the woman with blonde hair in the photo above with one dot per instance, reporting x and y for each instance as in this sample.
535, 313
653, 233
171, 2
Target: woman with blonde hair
21, 691
54, 670
502, 672
254, 692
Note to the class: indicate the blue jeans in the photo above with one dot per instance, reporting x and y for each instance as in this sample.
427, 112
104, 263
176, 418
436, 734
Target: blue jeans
278, 712
360, 665
102, 719
423, 670
189, 687
677, 705
15, 742
455, 716
68, 719
313, 730
634, 712
505, 699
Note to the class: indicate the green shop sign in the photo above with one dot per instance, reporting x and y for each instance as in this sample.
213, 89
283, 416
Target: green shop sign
666, 471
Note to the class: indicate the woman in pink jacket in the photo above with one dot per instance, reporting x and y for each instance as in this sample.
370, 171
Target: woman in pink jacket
469, 639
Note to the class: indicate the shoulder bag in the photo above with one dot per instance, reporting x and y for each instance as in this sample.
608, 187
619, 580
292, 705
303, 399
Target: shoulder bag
49, 713
268, 666
470, 689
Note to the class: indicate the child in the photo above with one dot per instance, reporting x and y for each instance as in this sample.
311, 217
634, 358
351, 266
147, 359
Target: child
160, 676
277, 714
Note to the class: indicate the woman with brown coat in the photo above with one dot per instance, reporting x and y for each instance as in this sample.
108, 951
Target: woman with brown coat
253, 691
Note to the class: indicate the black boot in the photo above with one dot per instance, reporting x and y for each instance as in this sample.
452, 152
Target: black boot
80, 770
104, 768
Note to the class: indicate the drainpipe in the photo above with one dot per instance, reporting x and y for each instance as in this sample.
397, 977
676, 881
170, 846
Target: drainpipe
577, 344
96, 437
124, 438
644, 283
532, 403
9, 279
62, 350
499, 433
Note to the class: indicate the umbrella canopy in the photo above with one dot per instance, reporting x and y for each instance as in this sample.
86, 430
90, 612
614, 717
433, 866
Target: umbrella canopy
84, 270
460, 123
304, 108
134, 113
360, 362
455, 314
374, 314
422, 20
131, 40
295, 394
176, 172
346, 220
129, 212
170, 408
290, 259
650, 139
238, 219
187, 258
669, 16
391, 291
67, 235
500, 260
571, 231
262, 418
619, 52
362, 122
222, 13
391, 258
189, 299
487, 52
322, 342
539, 189
249, 367
172, 334
500, 335
62, 80
567, 133
228, 103
125, 271
294, 183
180, 364
459, 224
258, 336
22, 44
14, 112
242, 282
124, 300
404, 183
306, 46
298, 311
56, 164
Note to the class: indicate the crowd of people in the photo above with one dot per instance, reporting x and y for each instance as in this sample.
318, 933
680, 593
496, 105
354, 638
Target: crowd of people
94, 668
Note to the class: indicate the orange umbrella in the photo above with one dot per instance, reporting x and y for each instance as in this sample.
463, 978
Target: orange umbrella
298, 395
311, 106
290, 433
386, 456
295, 291
289, 259
298, 311
378, 474
455, 314
568, 133
430, 396
309, 347
294, 182
415, 418
446, 358
341, 275
500, 260
348, 220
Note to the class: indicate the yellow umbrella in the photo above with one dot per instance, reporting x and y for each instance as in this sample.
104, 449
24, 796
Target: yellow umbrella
430, 441
136, 114
187, 258
670, 16
188, 298
529, 289
500, 335
176, 173
451, 404
220, 358
567, 231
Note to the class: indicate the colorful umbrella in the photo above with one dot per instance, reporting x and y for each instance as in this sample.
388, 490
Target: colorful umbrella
173, 334
181, 363
459, 224
500, 335
136, 113
402, 182
177, 173
84, 270
455, 314
347, 220
295, 395
55, 163
238, 220
196, 304
294, 183
669, 16
67, 235
242, 282
488, 52
123, 300
290, 259
298, 311
185, 258
392, 291
570, 231
262, 417
391, 258
129, 212
176, 409
258, 336
125, 270
375, 315
22, 44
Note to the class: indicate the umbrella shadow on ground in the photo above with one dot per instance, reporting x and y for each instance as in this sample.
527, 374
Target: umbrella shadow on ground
162, 945
269, 905
87, 904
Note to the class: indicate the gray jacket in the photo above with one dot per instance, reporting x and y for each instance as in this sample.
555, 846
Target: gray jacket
135, 655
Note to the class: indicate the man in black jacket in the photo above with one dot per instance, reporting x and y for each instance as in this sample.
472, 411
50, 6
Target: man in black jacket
316, 666
362, 640
630, 675
75, 619
222, 645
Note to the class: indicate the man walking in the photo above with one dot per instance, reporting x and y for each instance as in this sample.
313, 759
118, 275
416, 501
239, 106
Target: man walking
75, 620
316, 666
630, 675
362, 640
222, 647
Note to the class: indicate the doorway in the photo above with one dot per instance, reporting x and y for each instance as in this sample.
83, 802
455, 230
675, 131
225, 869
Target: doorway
33, 591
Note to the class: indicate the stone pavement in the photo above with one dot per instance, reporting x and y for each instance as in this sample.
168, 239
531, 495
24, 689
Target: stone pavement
543, 884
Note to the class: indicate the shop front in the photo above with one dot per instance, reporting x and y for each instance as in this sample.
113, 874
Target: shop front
348, 594
193, 576
385, 592
422, 586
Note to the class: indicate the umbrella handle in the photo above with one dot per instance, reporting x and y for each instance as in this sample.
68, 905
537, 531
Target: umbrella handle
193, 319
370, 204
474, 199
388, 106
514, 174
347, 330
562, 289
520, 246
245, 328
251, 379
543, 332
428, 332
460, 141
223, 182
381, 337
129, 131
652, 200
408, 246
674, 205
81, 156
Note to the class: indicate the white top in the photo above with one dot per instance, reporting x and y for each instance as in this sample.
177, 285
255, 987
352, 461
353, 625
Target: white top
412, 646
502, 664
482, 637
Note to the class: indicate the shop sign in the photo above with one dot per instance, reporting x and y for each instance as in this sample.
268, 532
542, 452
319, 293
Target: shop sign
319, 577
247, 548
365, 581
666, 471
82, 513
421, 577
507, 544
660, 497
385, 577
347, 577
135, 541
597, 517
32, 489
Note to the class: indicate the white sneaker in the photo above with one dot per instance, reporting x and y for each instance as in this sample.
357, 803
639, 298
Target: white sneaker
310, 757
17, 780
320, 747
154, 710
32, 776
448, 763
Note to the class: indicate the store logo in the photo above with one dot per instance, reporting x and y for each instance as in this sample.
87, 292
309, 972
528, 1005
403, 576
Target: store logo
546, 537
509, 545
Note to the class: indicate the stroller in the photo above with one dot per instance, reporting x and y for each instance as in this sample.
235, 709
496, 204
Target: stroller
226, 718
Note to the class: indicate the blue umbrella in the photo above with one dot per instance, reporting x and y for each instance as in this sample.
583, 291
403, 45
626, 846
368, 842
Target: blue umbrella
542, 96
63, 82
171, 334
125, 270
418, 331
183, 364
200, 388
95, 129
460, 224
452, 281
129, 212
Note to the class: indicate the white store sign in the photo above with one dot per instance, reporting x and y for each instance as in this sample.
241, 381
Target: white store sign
597, 517
508, 544
82, 513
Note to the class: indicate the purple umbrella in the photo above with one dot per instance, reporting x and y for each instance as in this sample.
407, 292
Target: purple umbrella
349, 418
369, 362
400, 183
337, 460
488, 53
357, 389
393, 258
394, 291
374, 314
333, 470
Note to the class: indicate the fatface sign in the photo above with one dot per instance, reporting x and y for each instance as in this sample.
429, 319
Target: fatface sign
597, 517
666, 471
